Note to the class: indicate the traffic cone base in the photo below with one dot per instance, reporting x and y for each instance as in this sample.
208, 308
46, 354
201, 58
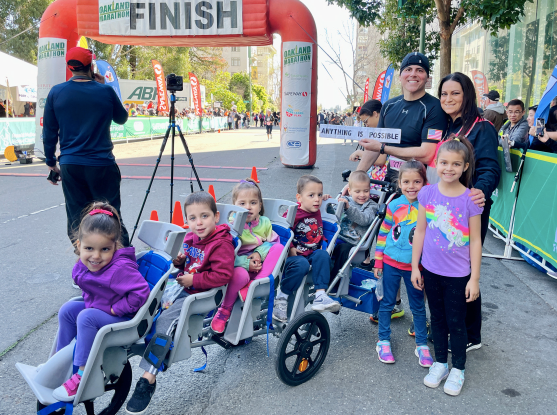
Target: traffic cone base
177, 215
154, 215
212, 192
254, 175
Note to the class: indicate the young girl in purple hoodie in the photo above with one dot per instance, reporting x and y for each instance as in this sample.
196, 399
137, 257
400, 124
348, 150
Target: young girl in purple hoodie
113, 289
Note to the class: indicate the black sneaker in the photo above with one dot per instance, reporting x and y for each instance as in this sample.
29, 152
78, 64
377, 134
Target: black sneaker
141, 397
469, 346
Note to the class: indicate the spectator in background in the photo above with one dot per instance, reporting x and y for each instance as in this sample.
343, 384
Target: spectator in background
548, 140
132, 112
515, 130
26, 108
494, 110
348, 121
3, 109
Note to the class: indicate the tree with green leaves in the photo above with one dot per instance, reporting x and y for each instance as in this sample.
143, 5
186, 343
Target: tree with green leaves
18, 16
492, 15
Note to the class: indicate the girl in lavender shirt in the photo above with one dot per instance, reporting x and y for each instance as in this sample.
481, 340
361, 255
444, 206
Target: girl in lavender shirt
448, 241
113, 288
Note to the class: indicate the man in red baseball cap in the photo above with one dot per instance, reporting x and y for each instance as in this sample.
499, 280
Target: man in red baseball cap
78, 114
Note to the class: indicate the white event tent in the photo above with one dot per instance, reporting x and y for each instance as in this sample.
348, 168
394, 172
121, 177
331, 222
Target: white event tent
21, 77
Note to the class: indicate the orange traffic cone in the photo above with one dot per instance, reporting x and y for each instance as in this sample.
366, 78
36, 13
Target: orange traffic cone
177, 215
254, 175
154, 215
212, 192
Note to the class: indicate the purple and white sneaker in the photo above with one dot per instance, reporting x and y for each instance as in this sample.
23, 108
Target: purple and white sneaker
384, 353
424, 355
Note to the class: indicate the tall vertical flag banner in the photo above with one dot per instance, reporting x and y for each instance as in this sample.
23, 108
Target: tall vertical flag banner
366, 91
387, 84
161, 87
110, 77
296, 102
195, 94
480, 83
51, 63
378, 89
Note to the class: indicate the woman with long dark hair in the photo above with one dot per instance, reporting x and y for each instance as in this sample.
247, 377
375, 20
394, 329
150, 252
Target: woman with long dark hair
458, 99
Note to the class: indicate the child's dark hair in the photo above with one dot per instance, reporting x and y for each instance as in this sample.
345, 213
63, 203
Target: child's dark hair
304, 180
251, 185
200, 198
413, 165
464, 147
102, 218
358, 176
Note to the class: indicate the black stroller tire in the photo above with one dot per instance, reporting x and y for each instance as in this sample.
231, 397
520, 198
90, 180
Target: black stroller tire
121, 390
310, 353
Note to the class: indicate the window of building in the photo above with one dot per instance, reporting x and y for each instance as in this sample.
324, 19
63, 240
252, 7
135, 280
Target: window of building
235, 49
235, 62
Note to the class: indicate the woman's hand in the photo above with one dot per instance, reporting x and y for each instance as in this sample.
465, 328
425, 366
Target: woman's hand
417, 280
477, 197
346, 203
356, 155
255, 262
185, 280
472, 291
179, 260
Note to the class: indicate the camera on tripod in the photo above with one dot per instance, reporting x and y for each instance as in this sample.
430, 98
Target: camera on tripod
174, 83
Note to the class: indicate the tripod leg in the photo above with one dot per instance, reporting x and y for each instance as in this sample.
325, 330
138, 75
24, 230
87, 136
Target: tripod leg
190, 158
163, 145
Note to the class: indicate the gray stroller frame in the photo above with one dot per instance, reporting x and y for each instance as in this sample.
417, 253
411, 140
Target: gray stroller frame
107, 367
357, 253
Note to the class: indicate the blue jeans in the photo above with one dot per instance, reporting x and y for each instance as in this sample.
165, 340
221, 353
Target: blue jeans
391, 284
297, 267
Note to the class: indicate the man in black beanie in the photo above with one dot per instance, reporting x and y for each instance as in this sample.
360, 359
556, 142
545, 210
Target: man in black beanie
418, 115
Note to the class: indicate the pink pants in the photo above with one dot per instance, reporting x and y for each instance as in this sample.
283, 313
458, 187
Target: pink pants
241, 277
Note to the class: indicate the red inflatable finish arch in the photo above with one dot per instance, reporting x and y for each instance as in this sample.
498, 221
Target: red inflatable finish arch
196, 23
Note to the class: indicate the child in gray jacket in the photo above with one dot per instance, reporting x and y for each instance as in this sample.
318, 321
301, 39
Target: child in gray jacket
359, 212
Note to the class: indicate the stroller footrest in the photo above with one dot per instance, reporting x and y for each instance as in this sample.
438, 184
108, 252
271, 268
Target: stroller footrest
158, 347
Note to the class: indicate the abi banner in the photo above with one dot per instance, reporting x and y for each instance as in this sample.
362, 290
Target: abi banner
366, 90
480, 83
378, 89
161, 87
195, 94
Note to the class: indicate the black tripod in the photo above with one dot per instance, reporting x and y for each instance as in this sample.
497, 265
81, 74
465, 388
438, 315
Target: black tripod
171, 127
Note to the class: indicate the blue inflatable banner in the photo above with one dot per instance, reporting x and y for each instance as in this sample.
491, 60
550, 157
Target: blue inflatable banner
110, 77
387, 84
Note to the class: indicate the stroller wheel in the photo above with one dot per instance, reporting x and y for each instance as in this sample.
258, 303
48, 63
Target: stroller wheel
302, 348
121, 388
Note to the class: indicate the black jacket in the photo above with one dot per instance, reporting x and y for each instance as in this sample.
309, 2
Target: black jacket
484, 140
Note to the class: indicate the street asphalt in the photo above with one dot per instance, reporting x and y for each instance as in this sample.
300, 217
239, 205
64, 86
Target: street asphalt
515, 371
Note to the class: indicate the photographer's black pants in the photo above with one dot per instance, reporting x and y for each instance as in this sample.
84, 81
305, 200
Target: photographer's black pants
83, 185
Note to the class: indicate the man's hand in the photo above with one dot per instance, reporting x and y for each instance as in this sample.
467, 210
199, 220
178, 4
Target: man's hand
99, 78
477, 197
370, 145
544, 138
56, 170
255, 262
185, 280
356, 155
346, 203
179, 260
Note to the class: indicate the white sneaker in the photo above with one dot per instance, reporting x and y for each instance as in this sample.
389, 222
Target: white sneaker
280, 310
436, 374
454, 383
325, 303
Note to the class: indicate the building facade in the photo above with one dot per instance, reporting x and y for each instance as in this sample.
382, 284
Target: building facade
237, 59
517, 62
